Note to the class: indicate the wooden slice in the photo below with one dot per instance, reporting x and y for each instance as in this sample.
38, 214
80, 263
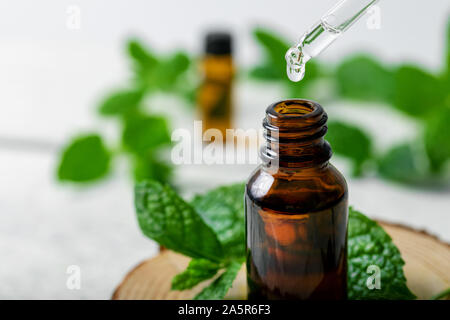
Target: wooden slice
427, 270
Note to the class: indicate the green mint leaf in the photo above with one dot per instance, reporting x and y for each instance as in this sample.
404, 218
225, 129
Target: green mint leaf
447, 53
350, 142
141, 56
197, 271
149, 167
219, 287
403, 163
157, 73
369, 244
144, 65
446, 75
264, 72
418, 93
170, 69
275, 48
223, 210
364, 78
437, 139
166, 218
143, 133
121, 102
85, 158
188, 93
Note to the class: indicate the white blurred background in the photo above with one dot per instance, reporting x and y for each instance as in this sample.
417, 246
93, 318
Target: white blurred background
52, 76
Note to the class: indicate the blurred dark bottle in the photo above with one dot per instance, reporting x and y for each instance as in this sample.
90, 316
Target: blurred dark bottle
215, 93
296, 210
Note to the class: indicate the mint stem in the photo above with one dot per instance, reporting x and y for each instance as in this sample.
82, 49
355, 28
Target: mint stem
441, 295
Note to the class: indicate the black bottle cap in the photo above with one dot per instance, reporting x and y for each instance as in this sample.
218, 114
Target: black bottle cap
218, 43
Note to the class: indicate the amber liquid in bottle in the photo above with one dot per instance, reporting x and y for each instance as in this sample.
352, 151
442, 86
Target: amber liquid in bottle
296, 210
215, 93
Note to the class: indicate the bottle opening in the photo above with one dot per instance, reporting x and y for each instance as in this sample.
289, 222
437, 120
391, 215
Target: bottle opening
295, 113
293, 108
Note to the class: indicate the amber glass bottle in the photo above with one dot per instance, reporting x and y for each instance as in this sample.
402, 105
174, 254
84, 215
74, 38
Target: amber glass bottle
215, 93
296, 210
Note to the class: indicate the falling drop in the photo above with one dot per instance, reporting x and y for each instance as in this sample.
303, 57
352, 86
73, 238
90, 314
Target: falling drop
295, 66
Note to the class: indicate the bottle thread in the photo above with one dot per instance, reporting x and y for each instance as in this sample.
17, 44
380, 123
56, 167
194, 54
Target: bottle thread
294, 131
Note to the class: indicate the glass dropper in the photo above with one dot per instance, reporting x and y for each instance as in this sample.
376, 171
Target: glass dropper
335, 22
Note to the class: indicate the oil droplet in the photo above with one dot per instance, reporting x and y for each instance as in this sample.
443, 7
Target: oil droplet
295, 67
313, 42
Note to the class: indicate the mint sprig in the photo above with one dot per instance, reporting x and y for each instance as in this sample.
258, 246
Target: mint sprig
211, 230
144, 134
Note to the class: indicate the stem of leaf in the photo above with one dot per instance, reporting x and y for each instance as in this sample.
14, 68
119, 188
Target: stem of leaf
443, 294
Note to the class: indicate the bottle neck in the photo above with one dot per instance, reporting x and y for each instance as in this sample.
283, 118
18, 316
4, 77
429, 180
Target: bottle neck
294, 131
